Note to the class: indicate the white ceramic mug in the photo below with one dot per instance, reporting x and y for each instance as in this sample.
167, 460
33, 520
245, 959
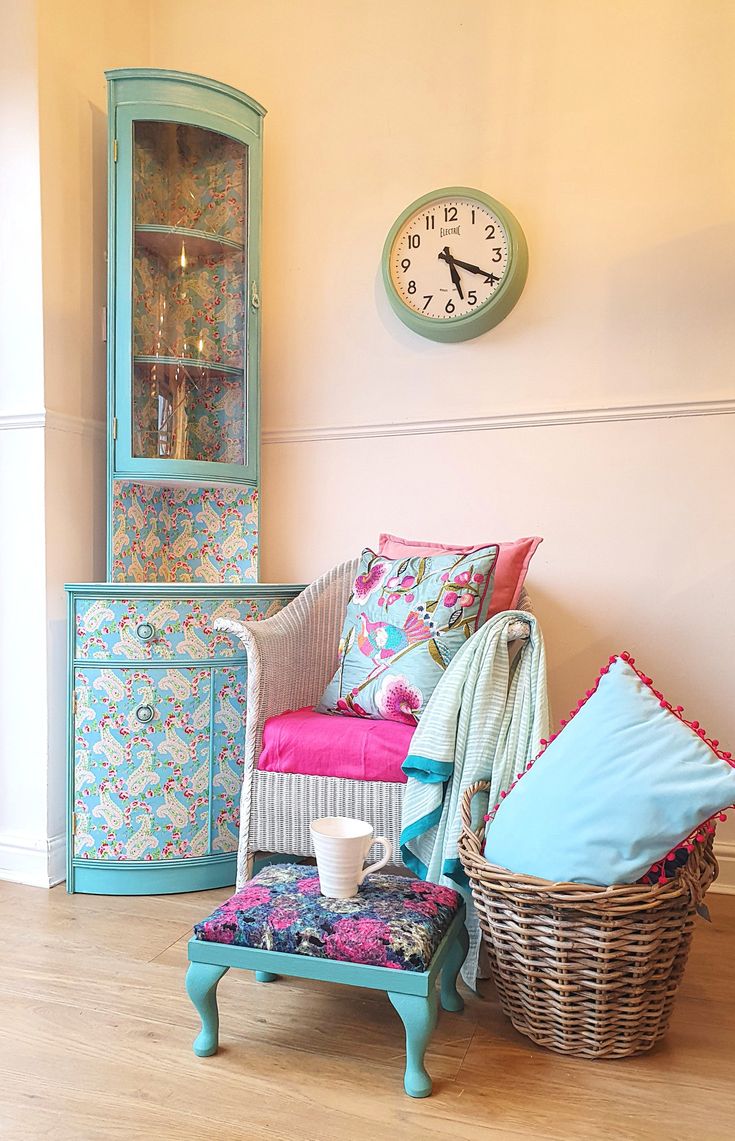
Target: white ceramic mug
341, 845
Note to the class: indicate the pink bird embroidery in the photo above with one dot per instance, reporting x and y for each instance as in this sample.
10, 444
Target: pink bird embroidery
380, 641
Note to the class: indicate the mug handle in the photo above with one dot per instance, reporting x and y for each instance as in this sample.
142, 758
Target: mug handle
387, 853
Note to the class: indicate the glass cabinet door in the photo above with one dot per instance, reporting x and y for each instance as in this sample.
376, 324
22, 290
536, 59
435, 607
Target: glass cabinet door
189, 294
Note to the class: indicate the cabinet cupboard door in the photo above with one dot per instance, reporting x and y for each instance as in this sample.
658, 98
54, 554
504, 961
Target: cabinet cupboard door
142, 752
186, 187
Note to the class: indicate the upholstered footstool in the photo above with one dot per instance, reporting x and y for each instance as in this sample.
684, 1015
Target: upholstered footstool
399, 935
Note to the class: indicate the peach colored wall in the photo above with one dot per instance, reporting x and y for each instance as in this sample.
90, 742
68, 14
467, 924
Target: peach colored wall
77, 41
21, 342
607, 128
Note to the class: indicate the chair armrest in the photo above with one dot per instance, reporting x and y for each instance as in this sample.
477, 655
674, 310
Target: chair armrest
518, 631
524, 602
292, 655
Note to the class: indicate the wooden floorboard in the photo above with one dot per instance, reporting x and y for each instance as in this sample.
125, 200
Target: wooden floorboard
96, 1033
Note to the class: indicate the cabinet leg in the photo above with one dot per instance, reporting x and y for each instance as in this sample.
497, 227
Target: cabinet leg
451, 999
418, 1015
201, 986
265, 977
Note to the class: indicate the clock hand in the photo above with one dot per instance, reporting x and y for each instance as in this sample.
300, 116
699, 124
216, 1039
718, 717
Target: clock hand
447, 257
475, 269
455, 279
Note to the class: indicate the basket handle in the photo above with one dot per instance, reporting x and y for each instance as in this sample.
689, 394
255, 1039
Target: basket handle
468, 835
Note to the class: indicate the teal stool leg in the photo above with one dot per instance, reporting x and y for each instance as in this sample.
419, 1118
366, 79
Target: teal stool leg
265, 977
419, 1018
201, 986
450, 997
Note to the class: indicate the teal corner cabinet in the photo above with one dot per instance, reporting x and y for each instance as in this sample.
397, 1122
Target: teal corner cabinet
184, 267
157, 697
156, 732
183, 328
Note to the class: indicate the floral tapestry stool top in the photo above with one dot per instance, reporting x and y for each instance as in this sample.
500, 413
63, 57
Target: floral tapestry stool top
398, 935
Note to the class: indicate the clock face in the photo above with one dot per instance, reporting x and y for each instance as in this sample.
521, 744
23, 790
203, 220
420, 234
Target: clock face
449, 258
454, 264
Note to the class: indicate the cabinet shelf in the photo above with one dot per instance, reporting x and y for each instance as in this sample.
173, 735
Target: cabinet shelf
167, 241
190, 363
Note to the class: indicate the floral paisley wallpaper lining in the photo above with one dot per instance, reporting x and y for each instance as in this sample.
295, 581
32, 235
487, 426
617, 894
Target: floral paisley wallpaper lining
184, 534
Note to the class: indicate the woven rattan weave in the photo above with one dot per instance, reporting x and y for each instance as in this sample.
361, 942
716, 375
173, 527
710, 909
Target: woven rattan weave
585, 970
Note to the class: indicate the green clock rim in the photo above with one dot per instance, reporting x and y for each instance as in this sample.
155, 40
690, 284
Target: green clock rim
492, 311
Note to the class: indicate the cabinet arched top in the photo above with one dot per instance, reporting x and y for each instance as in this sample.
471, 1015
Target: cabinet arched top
136, 81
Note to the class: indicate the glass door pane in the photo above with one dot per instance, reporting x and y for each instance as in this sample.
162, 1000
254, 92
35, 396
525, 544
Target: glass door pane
189, 294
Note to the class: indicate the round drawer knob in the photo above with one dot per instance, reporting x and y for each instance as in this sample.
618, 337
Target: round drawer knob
145, 713
145, 631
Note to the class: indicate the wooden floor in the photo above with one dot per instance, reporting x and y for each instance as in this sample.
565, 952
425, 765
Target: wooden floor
96, 1033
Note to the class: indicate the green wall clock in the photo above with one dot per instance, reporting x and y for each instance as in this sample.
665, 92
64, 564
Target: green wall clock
454, 264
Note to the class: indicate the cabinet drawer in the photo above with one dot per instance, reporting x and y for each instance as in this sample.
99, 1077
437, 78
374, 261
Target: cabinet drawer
162, 629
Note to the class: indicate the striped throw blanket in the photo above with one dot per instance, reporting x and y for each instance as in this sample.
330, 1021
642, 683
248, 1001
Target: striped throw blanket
484, 721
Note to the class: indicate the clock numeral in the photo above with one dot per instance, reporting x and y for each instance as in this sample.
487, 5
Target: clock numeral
472, 297
497, 253
430, 221
427, 299
489, 232
406, 264
449, 307
412, 287
414, 241
450, 213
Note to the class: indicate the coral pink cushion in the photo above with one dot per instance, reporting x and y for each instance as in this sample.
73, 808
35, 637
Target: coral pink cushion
510, 569
315, 744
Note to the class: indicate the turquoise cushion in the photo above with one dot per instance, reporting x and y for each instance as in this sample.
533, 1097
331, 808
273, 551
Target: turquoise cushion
622, 785
405, 621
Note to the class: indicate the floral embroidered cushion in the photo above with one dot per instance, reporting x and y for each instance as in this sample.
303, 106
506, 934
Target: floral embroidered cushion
510, 571
393, 921
405, 621
617, 792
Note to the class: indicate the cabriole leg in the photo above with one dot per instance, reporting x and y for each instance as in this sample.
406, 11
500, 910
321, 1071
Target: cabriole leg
418, 1015
450, 997
201, 986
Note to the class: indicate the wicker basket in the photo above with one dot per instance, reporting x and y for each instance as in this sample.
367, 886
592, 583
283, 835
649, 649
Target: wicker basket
585, 970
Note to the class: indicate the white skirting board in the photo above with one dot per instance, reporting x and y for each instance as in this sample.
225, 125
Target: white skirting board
38, 863
41, 863
725, 883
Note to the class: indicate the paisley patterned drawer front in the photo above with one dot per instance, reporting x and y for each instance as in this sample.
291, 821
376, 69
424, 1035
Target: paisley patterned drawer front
141, 774
162, 629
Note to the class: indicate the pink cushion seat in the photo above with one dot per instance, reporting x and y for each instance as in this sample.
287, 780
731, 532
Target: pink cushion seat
318, 744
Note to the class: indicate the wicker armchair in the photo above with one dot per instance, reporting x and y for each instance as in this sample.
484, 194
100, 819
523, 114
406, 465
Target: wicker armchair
291, 657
